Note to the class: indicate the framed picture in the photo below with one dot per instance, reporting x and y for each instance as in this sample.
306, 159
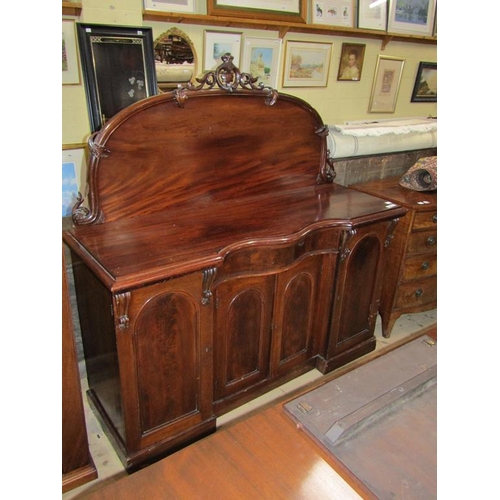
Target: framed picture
274, 10
307, 64
333, 12
118, 68
386, 84
425, 88
414, 17
170, 5
261, 58
73, 175
372, 15
218, 43
70, 68
351, 61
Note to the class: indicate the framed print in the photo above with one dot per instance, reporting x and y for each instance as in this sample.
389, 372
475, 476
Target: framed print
351, 61
118, 68
306, 64
372, 14
218, 43
170, 5
386, 84
333, 12
70, 68
414, 17
261, 57
425, 88
73, 176
294, 11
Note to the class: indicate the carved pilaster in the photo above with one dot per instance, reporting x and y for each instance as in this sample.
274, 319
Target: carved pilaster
122, 302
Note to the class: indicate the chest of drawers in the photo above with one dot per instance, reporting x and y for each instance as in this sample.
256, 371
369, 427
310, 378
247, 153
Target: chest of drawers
410, 279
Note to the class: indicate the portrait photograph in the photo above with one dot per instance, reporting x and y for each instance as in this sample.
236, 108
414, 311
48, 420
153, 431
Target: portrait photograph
351, 62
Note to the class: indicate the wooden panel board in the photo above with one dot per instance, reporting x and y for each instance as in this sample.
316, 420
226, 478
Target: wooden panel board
379, 421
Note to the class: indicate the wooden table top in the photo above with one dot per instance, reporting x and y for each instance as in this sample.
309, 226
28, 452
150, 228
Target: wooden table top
263, 456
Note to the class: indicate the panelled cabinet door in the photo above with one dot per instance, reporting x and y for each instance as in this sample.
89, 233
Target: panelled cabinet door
242, 333
166, 347
357, 294
296, 319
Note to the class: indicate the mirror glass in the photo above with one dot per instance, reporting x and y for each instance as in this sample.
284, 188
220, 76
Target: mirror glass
175, 59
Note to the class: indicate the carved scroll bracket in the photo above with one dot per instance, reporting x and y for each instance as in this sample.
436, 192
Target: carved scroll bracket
122, 302
390, 232
208, 279
344, 249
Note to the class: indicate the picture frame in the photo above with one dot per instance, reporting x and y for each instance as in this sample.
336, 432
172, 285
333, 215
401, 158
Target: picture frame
351, 62
261, 58
307, 64
425, 87
333, 12
218, 43
413, 17
70, 66
74, 158
294, 11
372, 15
170, 5
386, 83
118, 68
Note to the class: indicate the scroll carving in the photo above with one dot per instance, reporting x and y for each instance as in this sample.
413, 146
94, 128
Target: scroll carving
228, 77
327, 173
208, 279
97, 150
122, 302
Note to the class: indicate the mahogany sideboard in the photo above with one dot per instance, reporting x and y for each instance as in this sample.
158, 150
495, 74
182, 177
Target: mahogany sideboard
410, 280
214, 258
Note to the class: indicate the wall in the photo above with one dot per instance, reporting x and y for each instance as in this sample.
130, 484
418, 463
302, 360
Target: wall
338, 102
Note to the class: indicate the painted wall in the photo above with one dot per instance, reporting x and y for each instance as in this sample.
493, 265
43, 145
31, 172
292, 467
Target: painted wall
337, 103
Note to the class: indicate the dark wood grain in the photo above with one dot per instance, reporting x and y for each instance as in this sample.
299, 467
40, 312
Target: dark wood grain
77, 464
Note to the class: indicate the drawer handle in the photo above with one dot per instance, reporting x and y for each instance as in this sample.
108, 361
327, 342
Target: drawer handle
434, 218
431, 240
419, 293
425, 266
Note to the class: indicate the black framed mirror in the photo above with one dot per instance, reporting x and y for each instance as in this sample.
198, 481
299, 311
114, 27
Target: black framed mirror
118, 68
175, 59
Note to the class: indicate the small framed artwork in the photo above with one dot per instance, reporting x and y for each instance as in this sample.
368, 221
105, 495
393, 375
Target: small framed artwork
218, 43
294, 11
118, 68
307, 64
261, 57
414, 17
372, 15
351, 62
73, 176
425, 88
333, 12
70, 68
170, 5
386, 83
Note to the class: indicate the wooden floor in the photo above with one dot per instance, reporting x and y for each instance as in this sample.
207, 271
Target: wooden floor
264, 455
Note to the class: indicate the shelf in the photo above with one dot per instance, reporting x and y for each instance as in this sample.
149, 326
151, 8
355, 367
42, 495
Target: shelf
71, 8
282, 28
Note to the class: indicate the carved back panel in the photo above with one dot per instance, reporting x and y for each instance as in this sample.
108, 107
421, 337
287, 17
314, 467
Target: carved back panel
208, 145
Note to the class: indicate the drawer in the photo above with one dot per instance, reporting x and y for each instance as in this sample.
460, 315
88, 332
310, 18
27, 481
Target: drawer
417, 293
420, 266
425, 220
425, 241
